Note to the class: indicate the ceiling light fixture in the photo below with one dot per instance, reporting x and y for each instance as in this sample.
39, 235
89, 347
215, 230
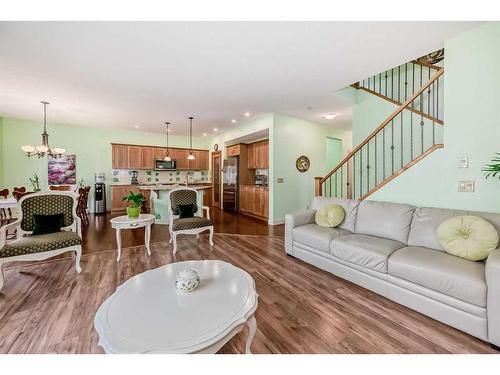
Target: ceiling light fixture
205, 134
233, 121
247, 114
330, 115
137, 126
216, 130
44, 148
191, 156
167, 157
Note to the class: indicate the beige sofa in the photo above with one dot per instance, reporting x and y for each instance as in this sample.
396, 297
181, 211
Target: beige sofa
392, 250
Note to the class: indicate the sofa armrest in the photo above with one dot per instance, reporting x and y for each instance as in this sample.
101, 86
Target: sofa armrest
293, 220
493, 297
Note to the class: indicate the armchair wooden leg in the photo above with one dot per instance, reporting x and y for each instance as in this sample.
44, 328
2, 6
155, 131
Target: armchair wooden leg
210, 239
77, 260
1, 275
174, 240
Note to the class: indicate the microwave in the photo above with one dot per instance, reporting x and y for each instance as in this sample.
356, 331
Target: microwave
163, 165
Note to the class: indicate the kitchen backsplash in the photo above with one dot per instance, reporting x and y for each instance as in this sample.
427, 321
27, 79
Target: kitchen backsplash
122, 176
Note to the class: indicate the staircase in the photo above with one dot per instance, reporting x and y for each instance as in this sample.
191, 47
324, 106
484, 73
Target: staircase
413, 131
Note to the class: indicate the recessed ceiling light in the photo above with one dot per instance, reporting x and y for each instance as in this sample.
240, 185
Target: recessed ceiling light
247, 114
330, 115
169, 130
204, 134
233, 121
216, 130
137, 126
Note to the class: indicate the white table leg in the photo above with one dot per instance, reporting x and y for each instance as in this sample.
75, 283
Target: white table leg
119, 243
147, 238
252, 328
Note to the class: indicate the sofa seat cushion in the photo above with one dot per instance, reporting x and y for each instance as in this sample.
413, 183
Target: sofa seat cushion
365, 250
317, 237
441, 272
40, 243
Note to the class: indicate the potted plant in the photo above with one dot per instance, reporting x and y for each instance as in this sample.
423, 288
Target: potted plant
493, 169
134, 205
35, 183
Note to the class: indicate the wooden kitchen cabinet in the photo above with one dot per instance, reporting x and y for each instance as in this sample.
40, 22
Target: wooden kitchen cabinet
233, 150
258, 155
148, 156
119, 156
117, 193
254, 200
134, 157
160, 153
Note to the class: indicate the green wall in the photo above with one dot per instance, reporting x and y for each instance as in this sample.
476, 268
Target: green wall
334, 152
472, 128
292, 138
92, 147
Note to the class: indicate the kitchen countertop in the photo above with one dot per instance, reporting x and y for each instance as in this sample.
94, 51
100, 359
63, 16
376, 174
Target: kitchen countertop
173, 186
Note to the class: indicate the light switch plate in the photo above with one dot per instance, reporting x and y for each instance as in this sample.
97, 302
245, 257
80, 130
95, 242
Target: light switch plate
463, 162
466, 186
281, 180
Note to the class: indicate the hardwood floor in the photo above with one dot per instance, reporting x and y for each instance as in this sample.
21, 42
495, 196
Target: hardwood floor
48, 308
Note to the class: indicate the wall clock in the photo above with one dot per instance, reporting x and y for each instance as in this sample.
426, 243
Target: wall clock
216, 147
302, 163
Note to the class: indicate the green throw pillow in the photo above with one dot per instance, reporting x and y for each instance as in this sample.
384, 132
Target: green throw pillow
468, 237
330, 215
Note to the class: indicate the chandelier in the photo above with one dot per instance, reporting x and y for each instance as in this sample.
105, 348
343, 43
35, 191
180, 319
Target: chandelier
44, 148
167, 157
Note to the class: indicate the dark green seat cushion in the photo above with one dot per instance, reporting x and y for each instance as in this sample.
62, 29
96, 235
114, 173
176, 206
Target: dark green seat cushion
43, 224
191, 223
40, 243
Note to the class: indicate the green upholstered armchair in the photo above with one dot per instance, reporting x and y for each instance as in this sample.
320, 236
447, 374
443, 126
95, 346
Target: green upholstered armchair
190, 225
28, 247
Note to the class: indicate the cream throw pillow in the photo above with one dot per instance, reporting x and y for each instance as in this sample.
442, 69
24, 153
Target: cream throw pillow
330, 215
468, 237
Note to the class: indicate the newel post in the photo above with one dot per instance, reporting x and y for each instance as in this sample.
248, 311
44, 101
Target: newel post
317, 186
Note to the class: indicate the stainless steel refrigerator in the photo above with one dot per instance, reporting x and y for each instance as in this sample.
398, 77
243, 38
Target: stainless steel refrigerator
231, 184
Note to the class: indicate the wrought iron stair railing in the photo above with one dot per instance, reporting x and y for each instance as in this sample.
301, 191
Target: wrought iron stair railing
409, 134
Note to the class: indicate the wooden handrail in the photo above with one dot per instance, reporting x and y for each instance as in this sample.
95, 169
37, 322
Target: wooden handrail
386, 121
426, 64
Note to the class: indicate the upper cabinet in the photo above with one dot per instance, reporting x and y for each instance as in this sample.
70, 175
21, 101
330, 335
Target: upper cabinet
143, 157
120, 156
233, 150
258, 155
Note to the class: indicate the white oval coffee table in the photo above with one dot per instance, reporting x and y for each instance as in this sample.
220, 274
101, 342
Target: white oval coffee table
147, 314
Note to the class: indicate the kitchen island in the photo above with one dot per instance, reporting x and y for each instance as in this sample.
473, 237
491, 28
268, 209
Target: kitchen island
160, 204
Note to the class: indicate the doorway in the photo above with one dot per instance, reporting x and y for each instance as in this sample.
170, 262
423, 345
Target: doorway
216, 178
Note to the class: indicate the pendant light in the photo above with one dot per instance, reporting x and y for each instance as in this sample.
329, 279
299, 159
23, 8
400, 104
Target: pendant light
44, 148
167, 157
191, 156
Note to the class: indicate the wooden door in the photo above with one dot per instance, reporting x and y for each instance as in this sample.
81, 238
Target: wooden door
251, 199
251, 156
134, 157
148, 156
216, 178
119, 156
204, 156
258, 201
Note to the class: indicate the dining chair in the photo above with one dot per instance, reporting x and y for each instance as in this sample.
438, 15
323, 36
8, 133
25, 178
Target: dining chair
60, 187
81, 208
18, 194
4, 195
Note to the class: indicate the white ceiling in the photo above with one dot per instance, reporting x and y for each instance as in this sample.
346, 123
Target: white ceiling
129, 74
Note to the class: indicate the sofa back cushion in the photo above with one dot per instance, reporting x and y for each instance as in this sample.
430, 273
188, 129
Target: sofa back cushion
426, 220
384, 219
350, 207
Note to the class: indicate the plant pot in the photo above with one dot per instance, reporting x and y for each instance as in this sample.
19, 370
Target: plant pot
133, 212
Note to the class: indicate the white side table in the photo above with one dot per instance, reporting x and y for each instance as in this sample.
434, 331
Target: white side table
147, 314
124, 222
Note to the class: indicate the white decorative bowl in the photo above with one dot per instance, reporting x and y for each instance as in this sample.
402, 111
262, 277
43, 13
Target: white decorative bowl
187, 280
